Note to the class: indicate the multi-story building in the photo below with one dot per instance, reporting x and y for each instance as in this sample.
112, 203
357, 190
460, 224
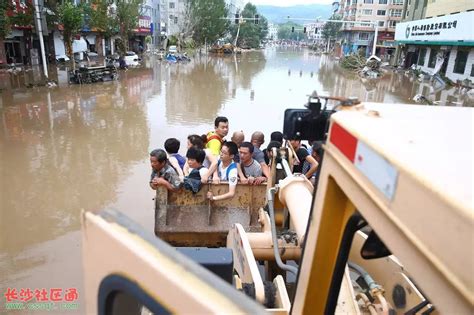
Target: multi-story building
272, 31
172, 14
442, 42
383, 14
314, 32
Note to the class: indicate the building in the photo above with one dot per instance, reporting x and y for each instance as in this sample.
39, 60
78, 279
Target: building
314, 32
384, 13
272, 31
442, 42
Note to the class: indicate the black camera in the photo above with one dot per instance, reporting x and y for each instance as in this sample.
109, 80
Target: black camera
311, 123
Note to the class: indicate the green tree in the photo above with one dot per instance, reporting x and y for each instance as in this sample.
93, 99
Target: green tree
71, 18
250, 34
285, 31
4, 26
204, 21
101, 18
126, 14
331, 30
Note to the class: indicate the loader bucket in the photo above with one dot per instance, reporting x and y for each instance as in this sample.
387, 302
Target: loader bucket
186, 219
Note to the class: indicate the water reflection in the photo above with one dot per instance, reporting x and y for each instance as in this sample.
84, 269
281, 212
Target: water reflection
65, 150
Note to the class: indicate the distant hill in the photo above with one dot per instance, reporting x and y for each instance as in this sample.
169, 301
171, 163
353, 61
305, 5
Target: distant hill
278, 15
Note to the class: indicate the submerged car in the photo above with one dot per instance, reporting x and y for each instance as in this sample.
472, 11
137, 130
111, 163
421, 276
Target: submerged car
131, 59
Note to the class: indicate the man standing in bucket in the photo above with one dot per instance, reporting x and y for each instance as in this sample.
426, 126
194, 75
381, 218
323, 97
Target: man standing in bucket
216, 138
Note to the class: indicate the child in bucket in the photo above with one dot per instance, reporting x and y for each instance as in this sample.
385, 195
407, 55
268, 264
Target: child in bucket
195, 158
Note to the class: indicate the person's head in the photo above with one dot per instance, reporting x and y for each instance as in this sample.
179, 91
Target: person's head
257, 139
158, 159
221, 125
245, 152
228, 150
195, 157
172, 145
196, 140
317, 150
276, 136
238, 137
271, 145
295, 142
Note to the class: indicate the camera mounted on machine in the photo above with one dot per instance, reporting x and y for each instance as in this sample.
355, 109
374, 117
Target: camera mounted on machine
312, 123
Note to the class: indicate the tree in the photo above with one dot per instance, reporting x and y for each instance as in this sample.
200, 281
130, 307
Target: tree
331, 30
5, 25
126, 14
101, 18
284, 31
251, 34
71, 18
204, 21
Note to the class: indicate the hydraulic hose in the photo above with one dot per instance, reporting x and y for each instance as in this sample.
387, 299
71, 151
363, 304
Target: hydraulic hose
365, 275
270, 198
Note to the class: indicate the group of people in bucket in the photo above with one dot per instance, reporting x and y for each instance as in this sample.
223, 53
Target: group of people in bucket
210, 157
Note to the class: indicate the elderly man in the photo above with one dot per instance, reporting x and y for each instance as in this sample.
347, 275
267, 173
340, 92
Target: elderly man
163, 174
257, 140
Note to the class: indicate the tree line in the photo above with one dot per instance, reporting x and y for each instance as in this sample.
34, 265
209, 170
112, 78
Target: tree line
204, 21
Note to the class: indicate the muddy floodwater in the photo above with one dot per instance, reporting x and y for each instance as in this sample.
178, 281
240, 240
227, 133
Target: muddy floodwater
75, 147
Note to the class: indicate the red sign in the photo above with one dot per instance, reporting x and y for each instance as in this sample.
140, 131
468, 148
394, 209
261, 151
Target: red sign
386, 36
144, 25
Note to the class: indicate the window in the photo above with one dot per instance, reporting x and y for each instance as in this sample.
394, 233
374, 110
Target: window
365, 24
381, 12
392, 24
397, 2
363, 36
369, 1
383, 1
171, 5
421, 58
432, 60
381, 23
472, 70
366, 12
175, 20
396, 12
353, 11
408, 13
460, 62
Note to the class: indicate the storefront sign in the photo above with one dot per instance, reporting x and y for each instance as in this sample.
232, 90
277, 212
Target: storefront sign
144, 25
449, 28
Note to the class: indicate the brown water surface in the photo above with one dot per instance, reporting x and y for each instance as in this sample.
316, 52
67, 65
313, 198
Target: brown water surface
86, 147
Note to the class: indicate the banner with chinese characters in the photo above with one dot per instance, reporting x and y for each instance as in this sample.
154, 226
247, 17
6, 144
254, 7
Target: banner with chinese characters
450, 28
144, 25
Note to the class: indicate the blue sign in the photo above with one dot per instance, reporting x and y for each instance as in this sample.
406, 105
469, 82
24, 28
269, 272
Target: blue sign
152, 28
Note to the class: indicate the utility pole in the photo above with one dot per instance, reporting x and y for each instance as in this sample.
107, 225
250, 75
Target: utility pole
39, 29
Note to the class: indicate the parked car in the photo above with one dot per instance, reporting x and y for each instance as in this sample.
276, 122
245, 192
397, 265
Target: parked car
131, 59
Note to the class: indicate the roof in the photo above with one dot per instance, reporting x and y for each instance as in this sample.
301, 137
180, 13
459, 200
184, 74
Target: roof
434, 144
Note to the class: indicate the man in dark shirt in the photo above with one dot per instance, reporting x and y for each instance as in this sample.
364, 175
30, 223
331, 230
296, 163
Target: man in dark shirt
302, 156
163, 174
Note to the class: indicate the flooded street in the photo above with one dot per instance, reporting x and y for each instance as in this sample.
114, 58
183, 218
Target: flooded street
86, 147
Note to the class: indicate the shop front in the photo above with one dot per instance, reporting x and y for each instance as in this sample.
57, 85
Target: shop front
441, 45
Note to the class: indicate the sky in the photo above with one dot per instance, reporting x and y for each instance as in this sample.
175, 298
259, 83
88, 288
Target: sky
287, 3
